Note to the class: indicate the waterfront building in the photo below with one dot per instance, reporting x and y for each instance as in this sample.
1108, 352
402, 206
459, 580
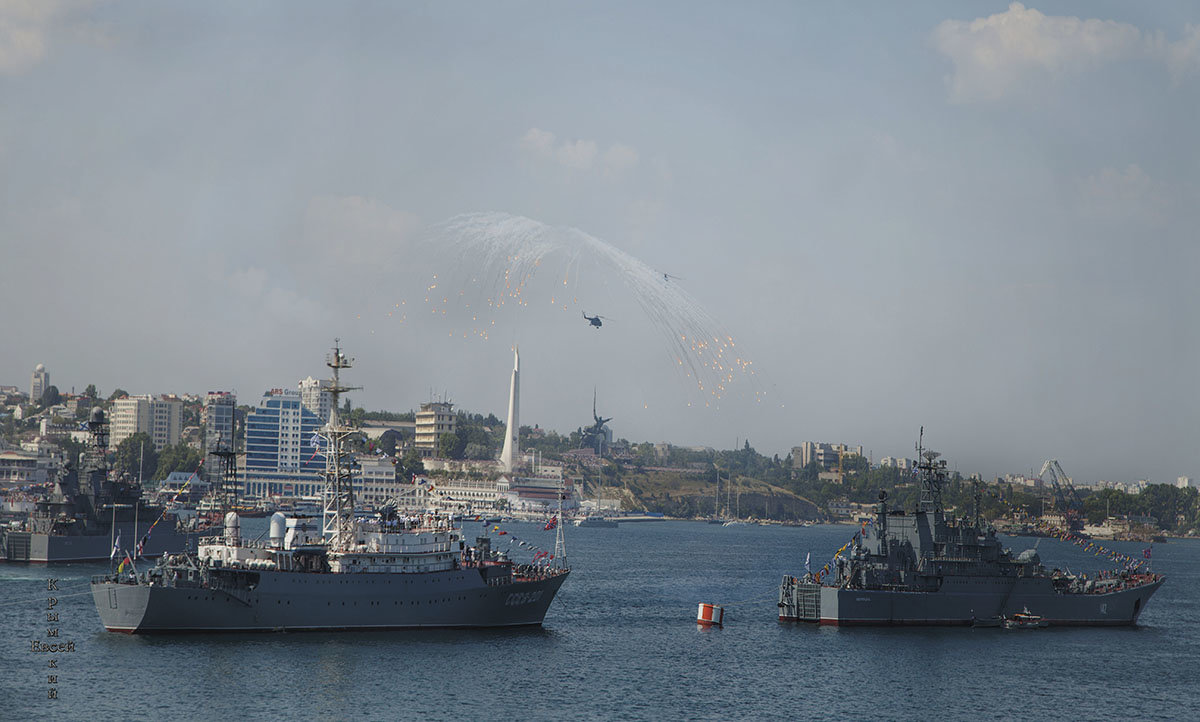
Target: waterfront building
434, 419
282, 453
537, 491
159, 417
34, 463
38, 383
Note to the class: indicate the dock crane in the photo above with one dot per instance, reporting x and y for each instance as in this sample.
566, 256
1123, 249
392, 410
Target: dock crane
1068, 502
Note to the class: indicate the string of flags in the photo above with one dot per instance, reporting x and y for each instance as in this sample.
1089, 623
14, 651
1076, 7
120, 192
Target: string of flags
1087, 545
539, 553
141, 543
1131, 563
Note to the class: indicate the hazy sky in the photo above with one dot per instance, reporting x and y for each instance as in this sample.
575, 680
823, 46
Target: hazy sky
975, 217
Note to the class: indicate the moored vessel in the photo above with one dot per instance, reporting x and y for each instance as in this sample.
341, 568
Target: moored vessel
923, 568
85, 512
338, 572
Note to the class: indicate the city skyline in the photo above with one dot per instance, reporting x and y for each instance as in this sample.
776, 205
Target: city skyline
972, 217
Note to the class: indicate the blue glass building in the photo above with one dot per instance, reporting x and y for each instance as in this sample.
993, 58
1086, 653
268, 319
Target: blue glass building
280, 456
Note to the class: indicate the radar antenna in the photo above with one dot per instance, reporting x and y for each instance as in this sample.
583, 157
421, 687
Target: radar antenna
932, 473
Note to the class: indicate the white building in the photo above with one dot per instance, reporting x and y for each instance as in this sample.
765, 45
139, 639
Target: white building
1184, 482
161, 418
824, 454
38, 383
434, 419
315, 396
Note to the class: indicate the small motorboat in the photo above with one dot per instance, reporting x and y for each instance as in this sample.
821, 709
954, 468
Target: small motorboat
1025, 620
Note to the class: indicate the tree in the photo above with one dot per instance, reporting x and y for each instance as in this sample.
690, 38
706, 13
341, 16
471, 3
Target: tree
451, 446
118, 393
91, 392
50, 397
127, 459
71, 448
410, 465
180, 457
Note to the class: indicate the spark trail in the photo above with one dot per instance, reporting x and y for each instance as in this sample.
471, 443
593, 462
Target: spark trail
505, 253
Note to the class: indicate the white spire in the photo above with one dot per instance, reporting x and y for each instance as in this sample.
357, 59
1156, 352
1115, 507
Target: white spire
512, 444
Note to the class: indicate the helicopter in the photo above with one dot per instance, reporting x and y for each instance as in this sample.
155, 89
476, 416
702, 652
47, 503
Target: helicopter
594, 320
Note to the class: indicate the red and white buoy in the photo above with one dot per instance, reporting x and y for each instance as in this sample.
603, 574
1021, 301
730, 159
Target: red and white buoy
710, 615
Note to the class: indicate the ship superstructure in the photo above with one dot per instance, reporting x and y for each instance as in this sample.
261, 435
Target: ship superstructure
341, 572
922, 567
87, 511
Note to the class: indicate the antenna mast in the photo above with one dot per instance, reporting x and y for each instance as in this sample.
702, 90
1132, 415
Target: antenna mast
560, 544
338, 519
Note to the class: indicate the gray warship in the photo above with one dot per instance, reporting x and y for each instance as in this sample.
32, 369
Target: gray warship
340, 572
922, 568
86, 512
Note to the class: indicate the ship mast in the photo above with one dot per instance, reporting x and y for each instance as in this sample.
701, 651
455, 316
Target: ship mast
338, 519
932, 473
560, 544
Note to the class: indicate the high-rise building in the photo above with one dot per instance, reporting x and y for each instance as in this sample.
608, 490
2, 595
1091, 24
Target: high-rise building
161, 418
281, 457
39, 383
217, 417
434, 419
314, 394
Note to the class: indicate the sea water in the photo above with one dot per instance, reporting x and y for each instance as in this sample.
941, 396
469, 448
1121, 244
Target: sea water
620, 642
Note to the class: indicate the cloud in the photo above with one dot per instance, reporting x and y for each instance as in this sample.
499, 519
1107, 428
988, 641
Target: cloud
1183, 56
579, 155
539, 142
24, 29
999, 54
1128, 194
619, 158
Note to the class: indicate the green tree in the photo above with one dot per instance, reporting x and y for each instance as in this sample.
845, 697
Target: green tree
180, 457
71, 449
127, 459
91, 392
117, 393
410, 465
451, 446
50, 397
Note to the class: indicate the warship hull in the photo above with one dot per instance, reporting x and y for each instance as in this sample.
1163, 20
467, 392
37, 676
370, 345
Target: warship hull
26, 546
961, 601
272, 601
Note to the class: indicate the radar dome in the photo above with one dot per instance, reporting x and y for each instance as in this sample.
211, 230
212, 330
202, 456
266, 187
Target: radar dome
1029, 555
278, 529
97, 415
39, 368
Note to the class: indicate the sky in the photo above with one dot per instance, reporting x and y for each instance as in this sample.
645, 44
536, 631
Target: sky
975, 217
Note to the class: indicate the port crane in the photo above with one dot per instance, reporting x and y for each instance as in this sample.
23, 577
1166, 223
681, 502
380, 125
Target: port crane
1067, 498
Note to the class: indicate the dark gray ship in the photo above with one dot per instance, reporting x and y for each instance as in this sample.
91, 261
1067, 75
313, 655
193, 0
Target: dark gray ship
338, 572
922, 568
84, 514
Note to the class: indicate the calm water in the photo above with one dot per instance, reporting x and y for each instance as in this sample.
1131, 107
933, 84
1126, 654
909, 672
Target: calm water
620, 642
